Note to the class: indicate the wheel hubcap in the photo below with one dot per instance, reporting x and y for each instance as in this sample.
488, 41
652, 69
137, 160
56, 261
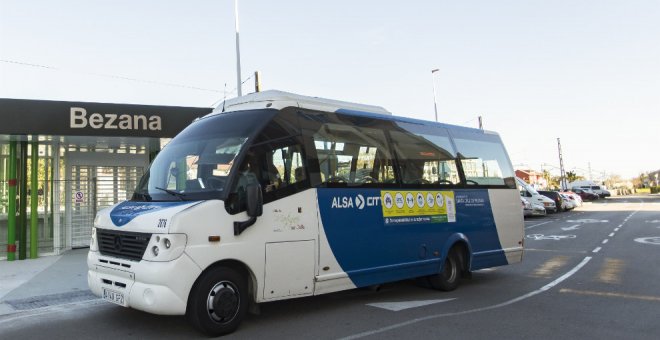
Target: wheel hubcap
223, 302
449, 272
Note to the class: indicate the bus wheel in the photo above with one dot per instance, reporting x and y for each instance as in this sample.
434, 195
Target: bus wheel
218, 302
448, 278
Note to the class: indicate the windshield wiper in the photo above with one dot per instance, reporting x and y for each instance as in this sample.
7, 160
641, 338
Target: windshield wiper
179, 195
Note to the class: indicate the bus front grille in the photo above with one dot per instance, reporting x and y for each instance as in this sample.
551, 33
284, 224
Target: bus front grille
123, 244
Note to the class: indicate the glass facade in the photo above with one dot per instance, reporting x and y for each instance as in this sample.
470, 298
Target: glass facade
75, 177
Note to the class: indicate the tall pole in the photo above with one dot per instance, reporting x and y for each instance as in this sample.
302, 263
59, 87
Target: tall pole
238, 52
435, 102
34, 197
22, 194
562, 179
11, 213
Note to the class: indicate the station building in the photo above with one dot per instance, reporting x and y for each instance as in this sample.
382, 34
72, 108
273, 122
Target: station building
80, 157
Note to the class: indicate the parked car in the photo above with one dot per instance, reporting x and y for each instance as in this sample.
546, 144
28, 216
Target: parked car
532, 196
532, 209
585, 194
569, 202
574, 196
556, 197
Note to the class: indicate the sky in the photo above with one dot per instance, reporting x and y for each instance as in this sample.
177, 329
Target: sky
584, 71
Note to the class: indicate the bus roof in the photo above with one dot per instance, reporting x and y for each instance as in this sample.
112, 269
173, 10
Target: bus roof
274, 99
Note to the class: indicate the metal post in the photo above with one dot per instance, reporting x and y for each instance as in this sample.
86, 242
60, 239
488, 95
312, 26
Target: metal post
481, 123
257, 81
22, 218
11, 214
435, 103
34, 187
238, 52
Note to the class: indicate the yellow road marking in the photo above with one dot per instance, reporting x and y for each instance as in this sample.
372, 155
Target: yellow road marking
550, 266
611, 270
608, 294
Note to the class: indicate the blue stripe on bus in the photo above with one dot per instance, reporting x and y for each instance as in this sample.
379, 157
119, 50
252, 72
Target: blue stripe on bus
371, 251
127, 211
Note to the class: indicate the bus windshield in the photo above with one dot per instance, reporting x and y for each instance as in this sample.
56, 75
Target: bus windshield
197, 164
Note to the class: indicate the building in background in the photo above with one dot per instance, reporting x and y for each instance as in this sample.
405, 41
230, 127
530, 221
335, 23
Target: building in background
533, 178
88, 156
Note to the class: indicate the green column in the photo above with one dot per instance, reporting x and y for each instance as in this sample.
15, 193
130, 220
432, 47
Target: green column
34, 187
22, 220
11, 213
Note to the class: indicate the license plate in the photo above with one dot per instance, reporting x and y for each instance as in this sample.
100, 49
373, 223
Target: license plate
114, 297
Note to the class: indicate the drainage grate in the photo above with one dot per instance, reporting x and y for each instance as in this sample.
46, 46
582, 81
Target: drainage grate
51, 300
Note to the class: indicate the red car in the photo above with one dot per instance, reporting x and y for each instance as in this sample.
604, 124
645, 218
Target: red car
586, 196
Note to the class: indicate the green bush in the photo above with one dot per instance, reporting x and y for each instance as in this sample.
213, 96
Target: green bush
655, 190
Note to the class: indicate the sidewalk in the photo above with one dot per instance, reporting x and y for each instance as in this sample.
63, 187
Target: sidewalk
42, 282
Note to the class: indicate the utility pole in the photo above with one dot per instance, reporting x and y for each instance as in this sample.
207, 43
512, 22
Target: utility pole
561, 167
238, 53
481, 123
435, 102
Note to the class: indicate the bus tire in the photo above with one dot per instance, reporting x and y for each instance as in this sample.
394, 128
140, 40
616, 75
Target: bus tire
449, 277
218, 302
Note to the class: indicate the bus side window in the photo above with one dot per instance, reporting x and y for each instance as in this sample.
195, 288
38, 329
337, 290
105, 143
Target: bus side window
352, 155
484, 162
425, 158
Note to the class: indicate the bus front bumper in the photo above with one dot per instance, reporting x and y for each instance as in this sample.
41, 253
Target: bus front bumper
154, 287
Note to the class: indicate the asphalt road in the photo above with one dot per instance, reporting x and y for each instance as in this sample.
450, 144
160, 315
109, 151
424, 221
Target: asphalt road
590, 273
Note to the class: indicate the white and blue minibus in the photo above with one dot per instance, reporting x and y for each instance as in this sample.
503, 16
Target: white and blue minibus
276, 196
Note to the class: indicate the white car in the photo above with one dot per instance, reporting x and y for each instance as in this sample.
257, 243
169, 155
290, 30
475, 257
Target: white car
568, 202
532, 209
532, 196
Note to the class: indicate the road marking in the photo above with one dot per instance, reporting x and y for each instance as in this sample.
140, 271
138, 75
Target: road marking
573, 227
611, 271
587, 220
482, 309
537, 237
608, 294
617, 229
596, 250
399, 306
605, 241
557, 251
611, 234
649, 240
536, 225
549, 267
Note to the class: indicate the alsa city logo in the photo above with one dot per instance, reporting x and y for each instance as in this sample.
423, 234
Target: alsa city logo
359, 201
111, 121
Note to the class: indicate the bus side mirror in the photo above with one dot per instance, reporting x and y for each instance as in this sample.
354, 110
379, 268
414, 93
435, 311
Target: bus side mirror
254, 209
255, 200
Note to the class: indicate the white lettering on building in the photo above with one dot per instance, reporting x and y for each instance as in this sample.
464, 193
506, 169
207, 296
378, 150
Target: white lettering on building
110, 121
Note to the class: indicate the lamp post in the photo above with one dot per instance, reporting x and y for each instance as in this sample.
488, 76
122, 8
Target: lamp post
238, 52
435, 103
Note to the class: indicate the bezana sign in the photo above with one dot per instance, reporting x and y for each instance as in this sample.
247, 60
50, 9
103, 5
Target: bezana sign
79, 120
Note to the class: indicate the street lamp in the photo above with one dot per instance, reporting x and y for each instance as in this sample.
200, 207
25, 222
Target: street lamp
435, 103
238, 52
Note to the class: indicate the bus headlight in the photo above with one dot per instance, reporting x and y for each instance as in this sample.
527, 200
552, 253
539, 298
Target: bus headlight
165, 247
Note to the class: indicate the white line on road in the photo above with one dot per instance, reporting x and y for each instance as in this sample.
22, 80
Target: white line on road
503, 304
605, 241
616, 229
596, 250
536, 225
401, 305
611, 234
